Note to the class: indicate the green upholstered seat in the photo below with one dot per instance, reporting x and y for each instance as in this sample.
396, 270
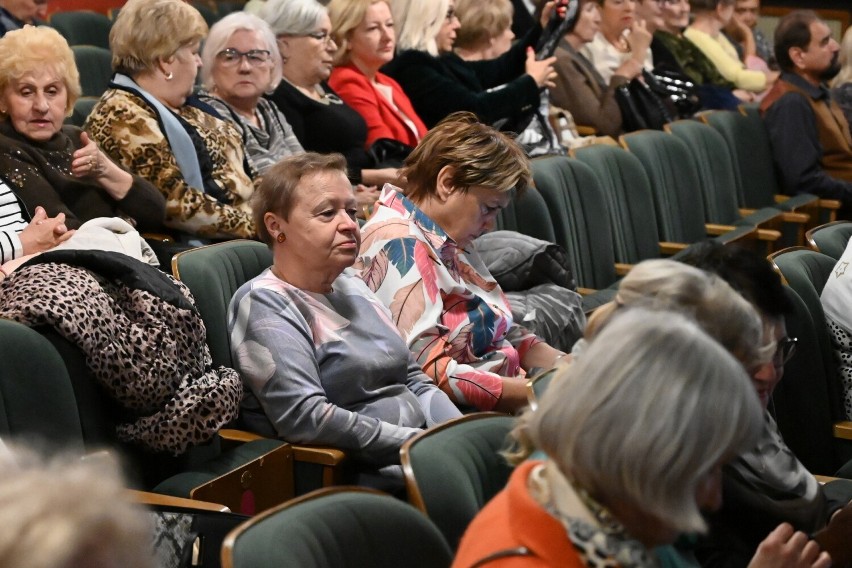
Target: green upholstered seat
577, 209
338, 528
831, 239
675, 186
809, 398
751, 155
95, 66
41, 400
452, 470
630, 205
717, 177
83, 27
213, 274
36, 398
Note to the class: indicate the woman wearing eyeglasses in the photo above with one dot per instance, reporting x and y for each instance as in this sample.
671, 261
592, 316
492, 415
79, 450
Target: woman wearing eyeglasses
240, 63
321, 120
149, 122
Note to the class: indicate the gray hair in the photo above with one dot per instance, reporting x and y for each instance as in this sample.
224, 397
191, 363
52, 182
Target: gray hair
221, 33
722, 312
652, 407
293, 17
418, 22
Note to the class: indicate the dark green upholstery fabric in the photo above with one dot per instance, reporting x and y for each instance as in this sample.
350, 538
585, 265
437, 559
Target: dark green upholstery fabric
36, 398
809, 398
527, 214
716, 175
83, 27
751, 155
831, 239
577, 209
95, 65
457, 469
675, 186
630, 206
352, 529
213, 274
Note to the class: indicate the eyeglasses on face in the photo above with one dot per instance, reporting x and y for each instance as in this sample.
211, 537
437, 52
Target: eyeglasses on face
784, 351
256, 57
321, 36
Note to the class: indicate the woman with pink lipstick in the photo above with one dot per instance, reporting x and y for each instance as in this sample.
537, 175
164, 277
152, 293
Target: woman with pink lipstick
364, 33
48, 164
319, 354
418, 257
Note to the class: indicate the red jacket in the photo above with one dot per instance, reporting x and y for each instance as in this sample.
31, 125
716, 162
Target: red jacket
513, 519
383, 120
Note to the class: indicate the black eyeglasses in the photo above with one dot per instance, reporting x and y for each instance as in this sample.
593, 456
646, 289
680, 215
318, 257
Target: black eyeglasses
324, 37
255, 57
784, 351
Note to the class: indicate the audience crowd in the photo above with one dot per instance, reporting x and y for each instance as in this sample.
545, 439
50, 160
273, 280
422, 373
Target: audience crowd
369, 144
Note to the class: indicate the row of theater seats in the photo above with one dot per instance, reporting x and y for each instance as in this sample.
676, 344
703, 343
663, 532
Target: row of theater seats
611, 206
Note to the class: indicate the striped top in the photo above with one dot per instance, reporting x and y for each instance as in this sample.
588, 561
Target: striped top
12, 222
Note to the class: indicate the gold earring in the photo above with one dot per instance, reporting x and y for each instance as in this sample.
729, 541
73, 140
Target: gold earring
281, 237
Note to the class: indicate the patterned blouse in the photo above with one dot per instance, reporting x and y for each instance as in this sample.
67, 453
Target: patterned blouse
12, 222
266, 145
444, 301
329, 369
127, 130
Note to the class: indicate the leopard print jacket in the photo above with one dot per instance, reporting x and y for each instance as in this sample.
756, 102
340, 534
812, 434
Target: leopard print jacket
126, 128
147, 352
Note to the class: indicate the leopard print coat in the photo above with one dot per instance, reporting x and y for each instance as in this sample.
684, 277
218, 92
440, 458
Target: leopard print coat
149, 353
126, 128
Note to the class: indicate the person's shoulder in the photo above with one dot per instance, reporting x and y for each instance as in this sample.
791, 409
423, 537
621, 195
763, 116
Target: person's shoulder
410, 60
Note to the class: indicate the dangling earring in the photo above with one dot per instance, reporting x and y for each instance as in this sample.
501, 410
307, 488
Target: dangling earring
281, 237
169, 76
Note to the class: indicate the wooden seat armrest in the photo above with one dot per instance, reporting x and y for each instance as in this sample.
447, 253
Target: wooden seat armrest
147, 498
745, 212
239, 436
715, 229
829, 204
780, 198
163, 237
584, 130
843, 430
770, 235
322, 455
795, 217
622, 268
669, 248
586, 291
823, 479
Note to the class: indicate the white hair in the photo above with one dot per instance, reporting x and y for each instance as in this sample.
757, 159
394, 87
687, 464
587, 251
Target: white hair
221, 33
652, 407
293, 17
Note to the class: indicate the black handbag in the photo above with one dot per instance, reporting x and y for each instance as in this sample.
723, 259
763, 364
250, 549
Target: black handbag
679, 89
388, 153
641, 108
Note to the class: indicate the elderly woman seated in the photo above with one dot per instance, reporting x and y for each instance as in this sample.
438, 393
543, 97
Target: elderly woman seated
320, 356
636, 432
54, 166
148, 122
418, 257
241, 63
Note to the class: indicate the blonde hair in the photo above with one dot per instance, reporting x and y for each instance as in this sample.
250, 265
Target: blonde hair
36, 48
418, 23
222, 31
346, 15
845, 58
65, 512
649, 411
481, 21
147, 31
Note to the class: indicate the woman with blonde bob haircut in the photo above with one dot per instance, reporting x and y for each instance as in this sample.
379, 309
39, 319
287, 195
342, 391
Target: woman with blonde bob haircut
418, 256
486, 29
150, 122
636, 432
